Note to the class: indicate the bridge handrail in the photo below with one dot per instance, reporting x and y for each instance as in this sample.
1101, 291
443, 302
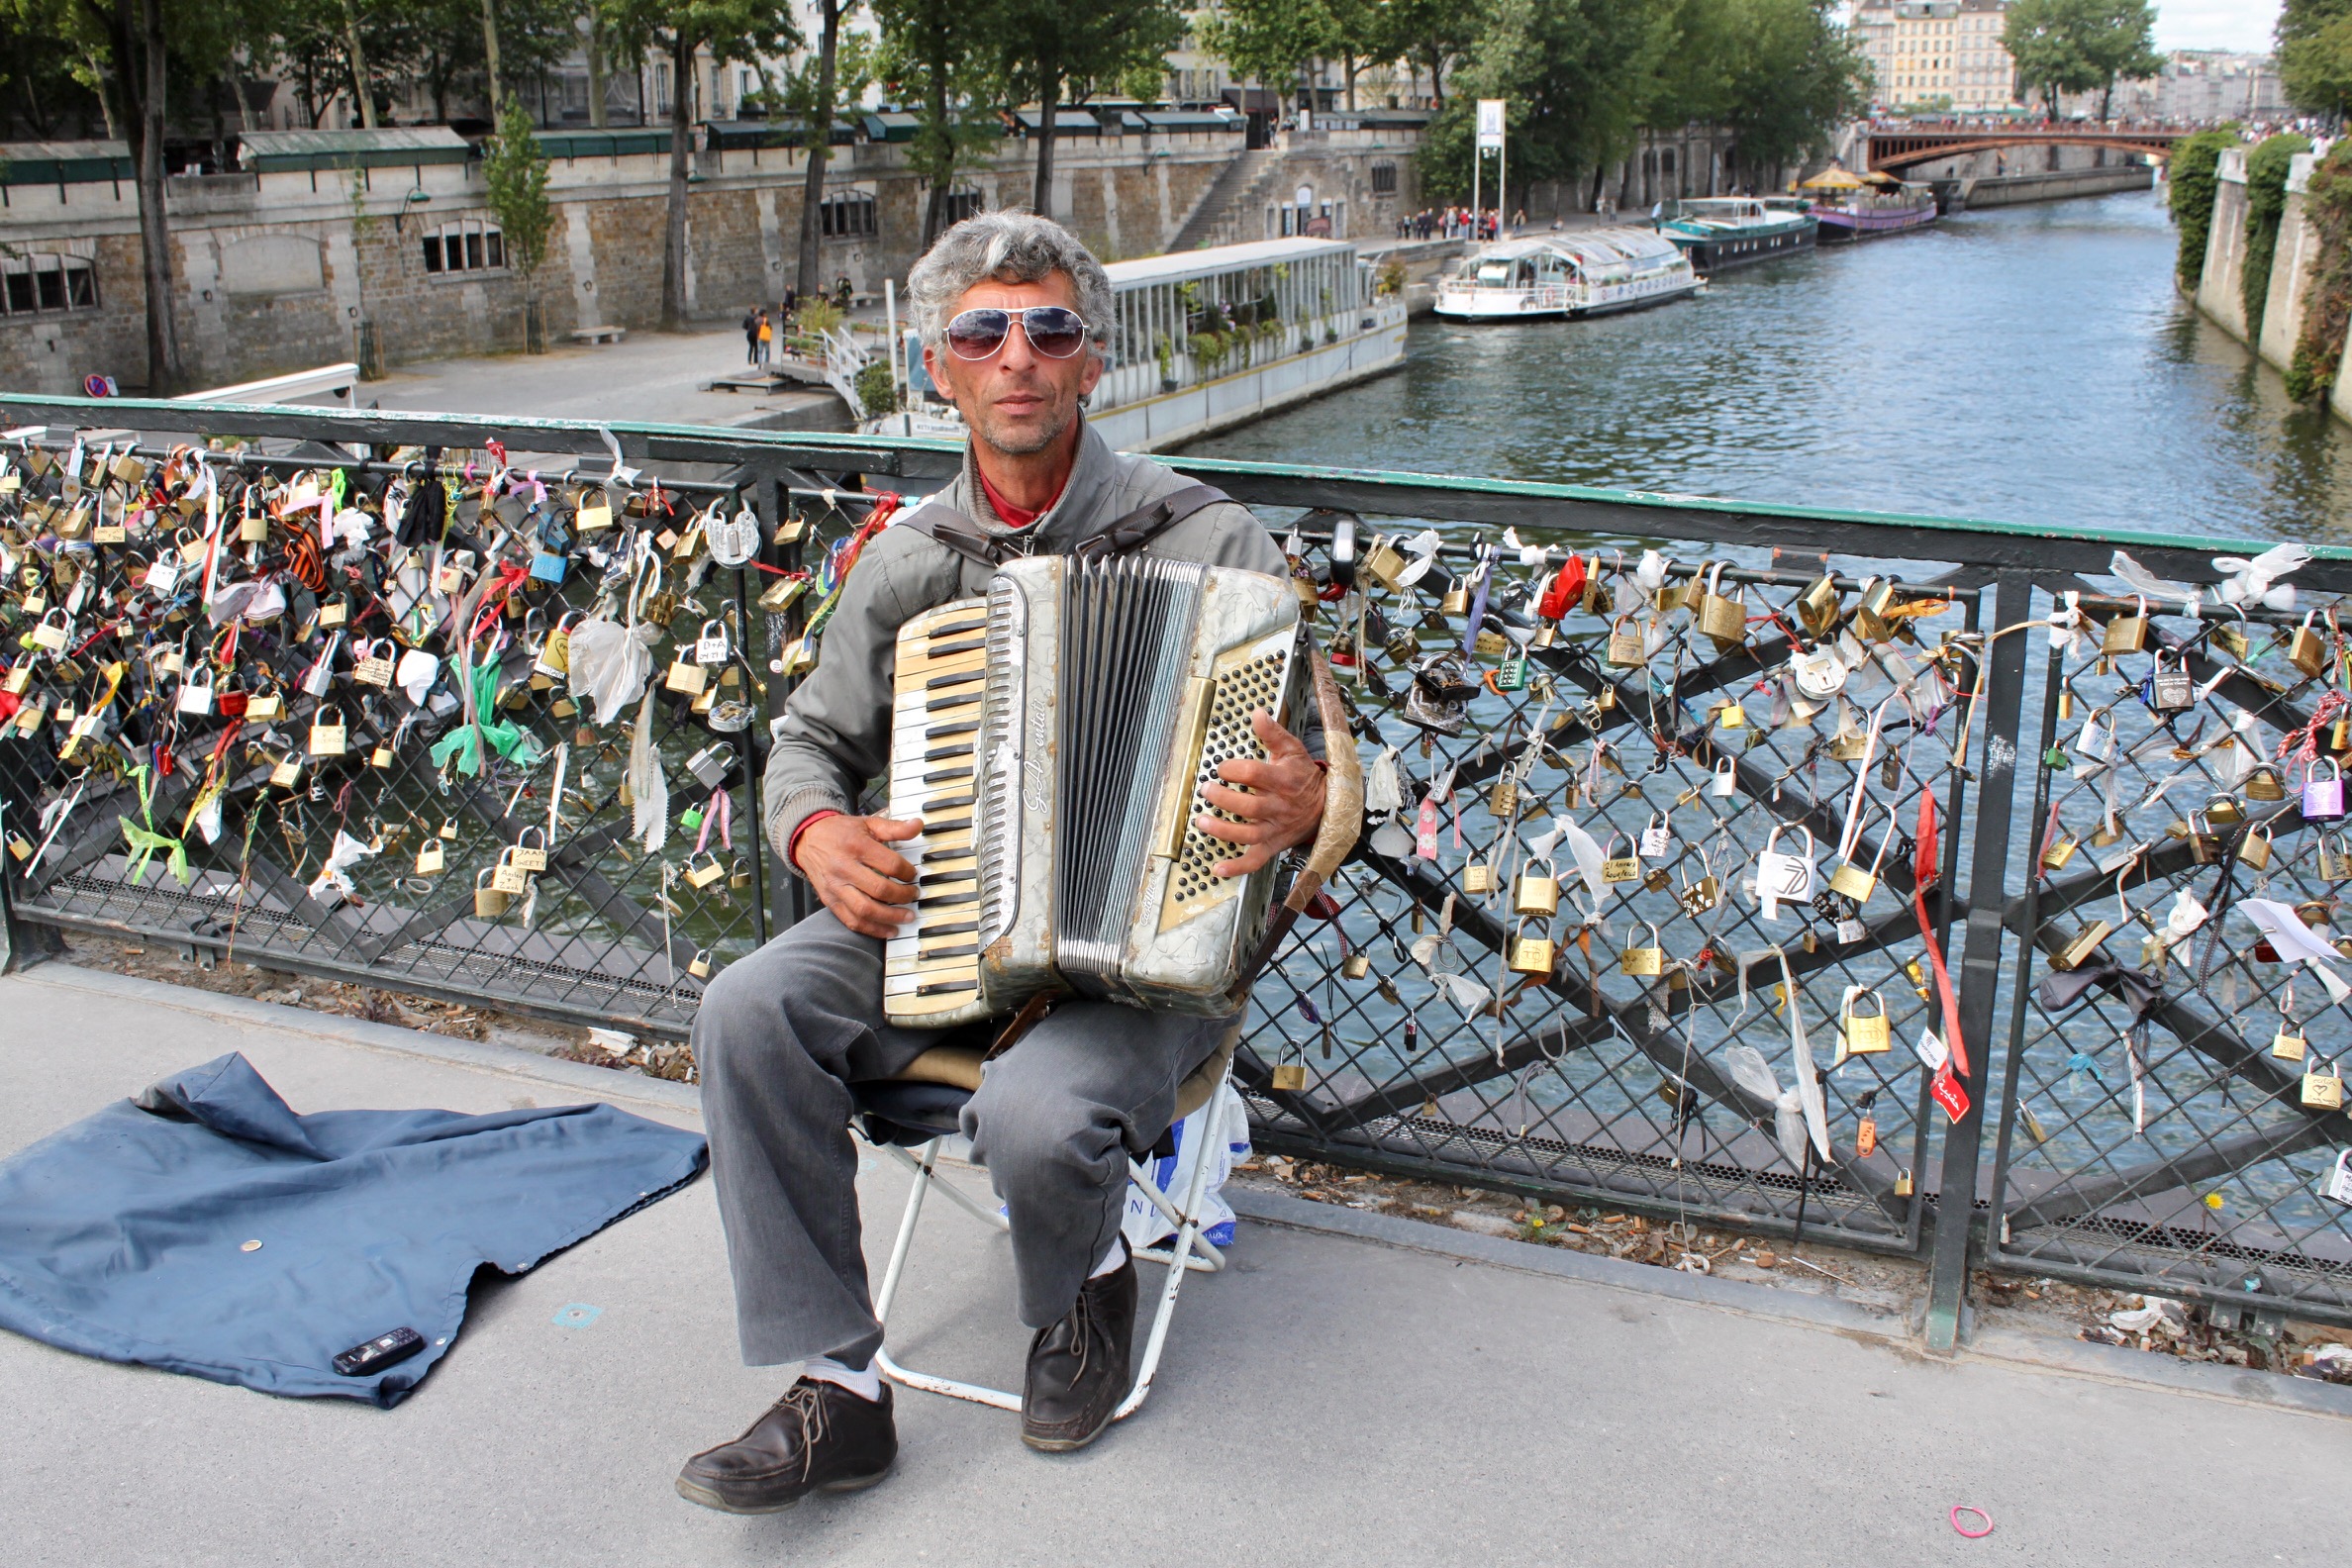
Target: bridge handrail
1638, 515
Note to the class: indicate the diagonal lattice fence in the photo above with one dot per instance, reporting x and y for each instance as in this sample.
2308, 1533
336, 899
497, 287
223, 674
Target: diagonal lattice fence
1768, 867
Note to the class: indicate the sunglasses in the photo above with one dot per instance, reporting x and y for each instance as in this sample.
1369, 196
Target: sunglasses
1054, 331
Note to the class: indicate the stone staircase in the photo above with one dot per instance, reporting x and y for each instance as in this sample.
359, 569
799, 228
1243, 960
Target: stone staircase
1227, 213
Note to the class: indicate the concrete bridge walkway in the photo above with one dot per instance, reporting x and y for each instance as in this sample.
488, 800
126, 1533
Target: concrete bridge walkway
1397, 1395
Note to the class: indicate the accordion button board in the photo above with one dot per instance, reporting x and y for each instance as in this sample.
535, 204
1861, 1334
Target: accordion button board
1054, 739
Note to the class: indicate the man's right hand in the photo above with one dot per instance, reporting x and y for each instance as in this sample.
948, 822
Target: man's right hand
849, 862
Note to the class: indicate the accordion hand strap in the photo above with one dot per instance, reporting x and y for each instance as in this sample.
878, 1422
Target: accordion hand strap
1342, 822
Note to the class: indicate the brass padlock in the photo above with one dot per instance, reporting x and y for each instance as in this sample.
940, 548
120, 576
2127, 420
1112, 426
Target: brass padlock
2224, 811
1871, 611
1533, 955
1504, 802
1534, 893
2060, 849
1288, 1077
508, 878
1457, 600
2323, 1090
429, 859
1816, 607
328, 734
1616, 867
1478, 878
1853, 881
2255, 849
1866, 1033
380, 758
698, 965
686, 676
1902, 1182
2287, 1046
285, 775
1355, 966
740, 874
2307, 650
531, 850
2265, 784
1645, 962
1382, 562
1626, 648
490, 902
2125, 633
2082, 944
2066, 703
1723, 618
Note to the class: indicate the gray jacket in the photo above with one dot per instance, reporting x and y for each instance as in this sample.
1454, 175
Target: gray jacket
835, 732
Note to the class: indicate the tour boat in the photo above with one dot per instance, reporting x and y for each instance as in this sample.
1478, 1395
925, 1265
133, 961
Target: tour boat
1204, 341
1849, 208
1722, 232
1588, 272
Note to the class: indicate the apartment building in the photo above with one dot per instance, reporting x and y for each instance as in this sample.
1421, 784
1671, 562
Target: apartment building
1931, 55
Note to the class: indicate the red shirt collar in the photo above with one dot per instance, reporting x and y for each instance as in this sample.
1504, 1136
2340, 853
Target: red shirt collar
1011, 516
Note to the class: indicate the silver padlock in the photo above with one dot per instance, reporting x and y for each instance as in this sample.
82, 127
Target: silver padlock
2171, 690
711, 766
2324, 798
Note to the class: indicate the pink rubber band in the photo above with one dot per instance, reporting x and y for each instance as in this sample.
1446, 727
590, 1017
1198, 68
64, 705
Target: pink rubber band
1959, 1508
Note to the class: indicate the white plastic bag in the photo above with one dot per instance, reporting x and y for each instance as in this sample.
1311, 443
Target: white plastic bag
1219, 1132
610, 663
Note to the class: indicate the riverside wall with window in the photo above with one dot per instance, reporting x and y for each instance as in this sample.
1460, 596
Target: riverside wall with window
275, 271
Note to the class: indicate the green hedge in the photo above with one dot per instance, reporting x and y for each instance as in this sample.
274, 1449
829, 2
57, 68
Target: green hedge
2328, 208
2266, 199
2192, 181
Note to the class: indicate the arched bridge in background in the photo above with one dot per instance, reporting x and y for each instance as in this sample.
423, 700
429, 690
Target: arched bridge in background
1894, 150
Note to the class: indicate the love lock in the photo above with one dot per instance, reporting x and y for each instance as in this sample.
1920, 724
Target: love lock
1820, 674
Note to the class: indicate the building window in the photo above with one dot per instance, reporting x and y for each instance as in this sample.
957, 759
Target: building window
848, 214
963, 204
468, 245
1384, 179
39, 282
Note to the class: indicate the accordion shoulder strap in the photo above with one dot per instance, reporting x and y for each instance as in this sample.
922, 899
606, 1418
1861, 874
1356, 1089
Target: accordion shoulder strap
1146, 523
936, 520
939, 521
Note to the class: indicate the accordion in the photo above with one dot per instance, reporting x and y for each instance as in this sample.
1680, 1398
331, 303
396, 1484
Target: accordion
1054, 739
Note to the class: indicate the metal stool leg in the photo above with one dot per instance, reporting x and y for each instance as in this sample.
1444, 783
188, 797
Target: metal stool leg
1188, 1237
925, 1165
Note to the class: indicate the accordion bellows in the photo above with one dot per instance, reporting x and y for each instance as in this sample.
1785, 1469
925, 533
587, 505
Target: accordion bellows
1054, 739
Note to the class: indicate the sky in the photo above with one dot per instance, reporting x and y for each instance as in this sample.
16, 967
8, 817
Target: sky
2216, 24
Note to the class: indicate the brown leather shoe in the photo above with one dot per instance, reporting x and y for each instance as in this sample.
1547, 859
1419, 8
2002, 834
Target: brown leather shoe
1078, 1369
819, 1437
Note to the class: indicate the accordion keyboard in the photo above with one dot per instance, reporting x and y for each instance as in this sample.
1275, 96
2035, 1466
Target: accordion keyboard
933, 969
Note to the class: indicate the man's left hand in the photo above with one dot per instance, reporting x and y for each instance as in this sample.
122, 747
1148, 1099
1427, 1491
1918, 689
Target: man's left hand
1280, 800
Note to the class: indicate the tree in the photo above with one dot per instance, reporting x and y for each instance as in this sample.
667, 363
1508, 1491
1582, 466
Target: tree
1798, 75
2074, 45
1433, 34
515, 175
817, 126
1271, 42
729, 30
1057, 50
2315, 55
2119, 37
935, 55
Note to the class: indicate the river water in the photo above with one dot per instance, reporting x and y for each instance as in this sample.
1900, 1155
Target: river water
2031, 365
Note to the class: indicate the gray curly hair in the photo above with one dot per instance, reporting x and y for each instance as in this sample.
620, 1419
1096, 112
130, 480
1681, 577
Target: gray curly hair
1012, 246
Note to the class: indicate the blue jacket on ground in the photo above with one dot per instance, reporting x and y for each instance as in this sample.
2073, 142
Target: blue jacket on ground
127, 1236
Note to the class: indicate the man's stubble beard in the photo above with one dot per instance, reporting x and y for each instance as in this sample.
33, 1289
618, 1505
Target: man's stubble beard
1022, 443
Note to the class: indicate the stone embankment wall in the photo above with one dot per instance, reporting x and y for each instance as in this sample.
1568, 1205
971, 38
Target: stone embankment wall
2221, 292
2009, 190
274, 273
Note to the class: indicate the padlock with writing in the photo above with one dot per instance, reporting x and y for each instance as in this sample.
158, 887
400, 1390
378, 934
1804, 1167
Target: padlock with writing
373, 667
329, 735
1531, 955
2288, 1044
1535, 892
2323, 1090
1625, 647
530, 849
509, 877
53, 631
1643, 960
1619, 866
711, 648
2170, 690
1658, 839
2125, 633
1866, 1033
1478, 879
1289, 1075
2324, 798
1853, 881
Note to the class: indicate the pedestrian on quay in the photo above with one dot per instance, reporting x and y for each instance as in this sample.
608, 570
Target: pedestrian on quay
752, 336
767, 339
786, 309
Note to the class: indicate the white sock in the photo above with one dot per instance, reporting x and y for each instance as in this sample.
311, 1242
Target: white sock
864, 1381
1111, 1259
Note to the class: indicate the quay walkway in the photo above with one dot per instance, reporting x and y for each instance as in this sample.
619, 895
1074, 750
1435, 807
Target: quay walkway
1358, 1389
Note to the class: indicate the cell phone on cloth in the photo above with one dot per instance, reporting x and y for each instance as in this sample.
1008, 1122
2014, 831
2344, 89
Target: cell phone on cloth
380, 1352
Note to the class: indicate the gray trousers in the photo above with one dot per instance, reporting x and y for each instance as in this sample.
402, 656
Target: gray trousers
780, 1037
